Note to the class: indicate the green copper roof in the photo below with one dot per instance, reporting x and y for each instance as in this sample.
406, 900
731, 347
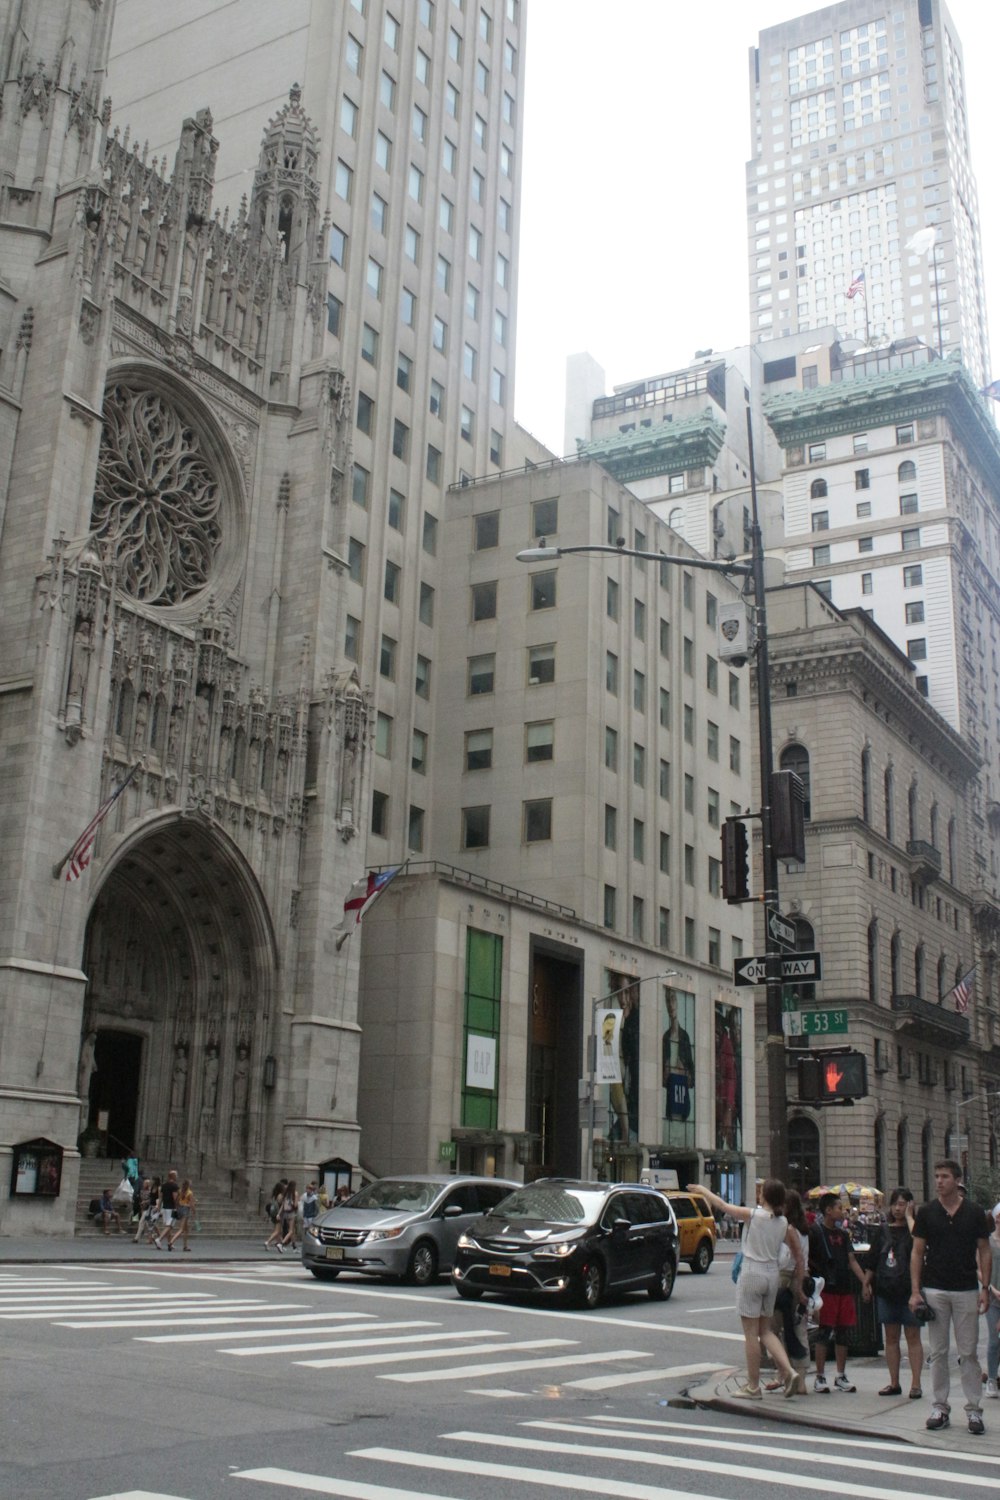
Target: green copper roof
668, 447
941, 386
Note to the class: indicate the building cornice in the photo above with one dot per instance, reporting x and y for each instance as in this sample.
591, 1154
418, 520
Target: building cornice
670, 446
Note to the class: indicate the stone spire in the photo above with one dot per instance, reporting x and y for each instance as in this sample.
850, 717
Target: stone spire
284, 207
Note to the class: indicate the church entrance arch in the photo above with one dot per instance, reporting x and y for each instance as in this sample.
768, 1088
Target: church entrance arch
180, 964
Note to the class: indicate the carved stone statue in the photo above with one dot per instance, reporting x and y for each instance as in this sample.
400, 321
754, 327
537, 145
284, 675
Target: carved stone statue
80, 665
199, 740
210, 1085
241, 1081
178, 1090
86, 1068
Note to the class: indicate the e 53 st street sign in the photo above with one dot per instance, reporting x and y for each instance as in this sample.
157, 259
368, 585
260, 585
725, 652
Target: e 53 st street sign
814, 1022
798, 968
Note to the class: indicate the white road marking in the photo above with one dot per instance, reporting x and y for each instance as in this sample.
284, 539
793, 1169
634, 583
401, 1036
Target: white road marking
321, 1484
393, 1358
126, 1316
472, 1372
257, 1332
636, 1377
371, 1341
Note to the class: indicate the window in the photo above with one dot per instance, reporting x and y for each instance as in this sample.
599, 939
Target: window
387, 90
713, 807
609, 905
383, 151
472, 301
639, 765
469, 362
449, 156
539, 741
611, 748
913, 576
638, 917
433, 469
817, 453
496, 448
688, 724
353, 53
712, 740
404, 371
907, 472
467, 425
380, 814
611, 533
481, 674
475, 827
866, 583
482, 77
916, 649
454, 45
509, 109
338, 245
611, 672
664, 708
734, 690
418, 752
866, 544
419, 123
538, 821
904, 434
352, 638
543, 590
422, 678
863, 509
426, 604
446, 215
796, 758
506, 161
435, 399
664, 780
400, 440
663, 937
348, 116
711, 611
712, 674
366, 412
439, 334
734, 754
379, 213
479, 131
639, 692
821, 555
908, 505
611, 601
430, 531
821, 520
689, 864
664, 853
910, 539
415, 184
610, 826
541, 665
687, 591
544, 517
500, 329
356, 560
818, 490
714, 874
484, 601
390, 587
407, 308
334, 313
862, 479
442, 273
639, 619
475, 242
343, 177
486, 530
359, 486
498, 387
861, 442
387, 658
373, 278
665, 638
479, 750
687, 656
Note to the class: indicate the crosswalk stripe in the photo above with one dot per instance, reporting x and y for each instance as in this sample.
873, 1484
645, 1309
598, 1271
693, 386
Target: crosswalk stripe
322, 1484
60, 1299
128, 1313
810, 1439
258, 1332
164, 1322
388, 1359
468, 1372
636, 1377
139, 1495
370, 1341
741, 1471
764, 1450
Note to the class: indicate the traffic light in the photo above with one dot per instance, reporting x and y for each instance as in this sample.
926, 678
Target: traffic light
827, 1077
735, 861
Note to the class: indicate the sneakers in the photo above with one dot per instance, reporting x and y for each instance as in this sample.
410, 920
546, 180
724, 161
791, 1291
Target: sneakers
991, 1390
281, 1248
976, 1424
820, 1386
747, 1393
939, 1419
844, 1384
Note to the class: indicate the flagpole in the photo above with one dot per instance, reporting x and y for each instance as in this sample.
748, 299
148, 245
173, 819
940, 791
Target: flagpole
376, 896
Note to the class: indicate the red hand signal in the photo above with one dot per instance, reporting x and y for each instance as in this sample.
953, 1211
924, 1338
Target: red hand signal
833, 1077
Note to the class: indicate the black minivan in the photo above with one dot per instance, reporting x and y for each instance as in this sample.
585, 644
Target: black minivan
572, 1239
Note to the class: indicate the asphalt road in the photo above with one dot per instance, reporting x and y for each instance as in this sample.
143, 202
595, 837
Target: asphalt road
252, 1381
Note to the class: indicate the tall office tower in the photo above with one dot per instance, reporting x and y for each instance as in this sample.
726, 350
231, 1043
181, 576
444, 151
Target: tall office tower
417, 105
860, 152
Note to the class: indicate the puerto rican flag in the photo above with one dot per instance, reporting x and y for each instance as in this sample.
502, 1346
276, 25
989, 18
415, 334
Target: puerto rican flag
857, 286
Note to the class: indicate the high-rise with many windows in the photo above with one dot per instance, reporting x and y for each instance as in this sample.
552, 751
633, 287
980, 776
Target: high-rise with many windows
861, 202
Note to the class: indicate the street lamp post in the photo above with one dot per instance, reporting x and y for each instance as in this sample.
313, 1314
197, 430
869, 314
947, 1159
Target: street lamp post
774, 1048
961, 1104
592, 1046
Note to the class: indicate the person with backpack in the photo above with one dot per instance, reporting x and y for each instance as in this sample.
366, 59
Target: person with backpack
887, 1265
831, 1255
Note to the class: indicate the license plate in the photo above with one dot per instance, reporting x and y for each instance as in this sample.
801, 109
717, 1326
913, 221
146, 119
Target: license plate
334, 1252
499, 1270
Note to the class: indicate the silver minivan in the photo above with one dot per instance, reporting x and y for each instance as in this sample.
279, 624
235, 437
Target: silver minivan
400, 1226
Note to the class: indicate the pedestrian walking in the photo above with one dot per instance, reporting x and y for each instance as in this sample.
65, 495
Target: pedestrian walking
149, 1220
950, 1272
993, 1311
831, 1255
887, 1265
766, 1231
789, 1320
169, 1193
309, 1205
184, 1215
289, 1210
274, 1212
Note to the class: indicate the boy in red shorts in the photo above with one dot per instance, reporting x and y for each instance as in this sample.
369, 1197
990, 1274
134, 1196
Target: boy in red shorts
831, 1255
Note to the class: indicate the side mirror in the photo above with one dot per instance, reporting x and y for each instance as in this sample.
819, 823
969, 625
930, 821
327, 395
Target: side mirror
455, 1211
621, 1226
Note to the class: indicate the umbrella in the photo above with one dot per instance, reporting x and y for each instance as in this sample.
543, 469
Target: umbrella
846, 1190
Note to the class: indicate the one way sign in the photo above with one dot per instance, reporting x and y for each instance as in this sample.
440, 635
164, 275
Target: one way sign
798, 968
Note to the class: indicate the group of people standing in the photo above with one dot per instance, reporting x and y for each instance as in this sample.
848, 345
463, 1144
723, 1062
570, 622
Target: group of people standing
938, 1265
284, 1210
167, 1211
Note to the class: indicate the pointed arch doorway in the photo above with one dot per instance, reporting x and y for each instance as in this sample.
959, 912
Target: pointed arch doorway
180, 962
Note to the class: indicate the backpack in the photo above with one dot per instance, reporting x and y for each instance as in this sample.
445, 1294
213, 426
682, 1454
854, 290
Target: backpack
892, 1268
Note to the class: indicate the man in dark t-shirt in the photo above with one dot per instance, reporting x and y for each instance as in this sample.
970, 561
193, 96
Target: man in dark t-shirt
950, 1272
831, 1255
169, 1191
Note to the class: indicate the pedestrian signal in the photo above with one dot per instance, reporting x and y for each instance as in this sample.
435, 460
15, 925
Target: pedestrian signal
825, 1078
735, 861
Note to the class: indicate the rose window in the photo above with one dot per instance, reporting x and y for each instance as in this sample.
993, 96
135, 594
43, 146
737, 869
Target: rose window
157, 500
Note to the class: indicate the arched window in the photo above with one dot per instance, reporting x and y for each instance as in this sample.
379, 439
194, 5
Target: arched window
805, 942
907, 472
123, 713
927, 1160
817, 489
942, 977
894, 957
902, 1153
911, 810
919, 957
285, 226
888, 785
873, 961
676, 520
796, 758
803, 1153
880, 1171
866, 784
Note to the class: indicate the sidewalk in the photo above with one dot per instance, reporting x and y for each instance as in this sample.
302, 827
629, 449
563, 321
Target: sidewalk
119, 1249
865, 1415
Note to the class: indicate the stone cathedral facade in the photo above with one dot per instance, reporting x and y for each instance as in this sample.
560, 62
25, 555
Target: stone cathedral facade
173, 446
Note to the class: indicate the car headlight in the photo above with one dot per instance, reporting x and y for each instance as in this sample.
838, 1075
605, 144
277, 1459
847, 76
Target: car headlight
382, 1234
466, 1242
312, 1233
558, 1250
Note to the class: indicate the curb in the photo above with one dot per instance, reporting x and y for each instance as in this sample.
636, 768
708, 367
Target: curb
789, 1417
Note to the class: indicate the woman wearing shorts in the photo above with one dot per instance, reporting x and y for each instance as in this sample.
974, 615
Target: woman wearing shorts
888, 1263
766, 1230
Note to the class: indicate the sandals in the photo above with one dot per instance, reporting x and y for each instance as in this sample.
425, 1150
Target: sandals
916, 1393
891, 1390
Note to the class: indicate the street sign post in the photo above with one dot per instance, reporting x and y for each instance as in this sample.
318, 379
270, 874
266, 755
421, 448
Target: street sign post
802, 968
781, 931
814, 1022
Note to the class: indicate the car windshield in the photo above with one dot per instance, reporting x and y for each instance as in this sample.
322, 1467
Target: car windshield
407, 1197
554, 1205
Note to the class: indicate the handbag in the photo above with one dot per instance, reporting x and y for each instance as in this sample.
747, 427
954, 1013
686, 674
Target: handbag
737, 1265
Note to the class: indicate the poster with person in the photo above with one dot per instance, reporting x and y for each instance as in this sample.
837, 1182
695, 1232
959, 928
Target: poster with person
728, 1077
623, 1097
677, 1065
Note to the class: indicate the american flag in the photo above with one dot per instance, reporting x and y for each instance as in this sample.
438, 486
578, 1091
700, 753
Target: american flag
963, 992
77, 857
857, 286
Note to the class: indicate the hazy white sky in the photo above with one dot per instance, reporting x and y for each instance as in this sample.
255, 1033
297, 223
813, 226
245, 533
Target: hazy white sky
633, 227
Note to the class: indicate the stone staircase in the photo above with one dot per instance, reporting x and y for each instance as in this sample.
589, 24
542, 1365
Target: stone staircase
219, 1216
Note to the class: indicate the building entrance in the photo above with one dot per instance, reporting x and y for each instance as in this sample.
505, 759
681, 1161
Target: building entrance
554, 1068
114, 1090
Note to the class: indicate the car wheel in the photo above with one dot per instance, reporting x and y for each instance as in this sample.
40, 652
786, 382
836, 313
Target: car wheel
470, 1293
663, 1286
325, 1273
702, 1258
423, 1265
590, 1285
